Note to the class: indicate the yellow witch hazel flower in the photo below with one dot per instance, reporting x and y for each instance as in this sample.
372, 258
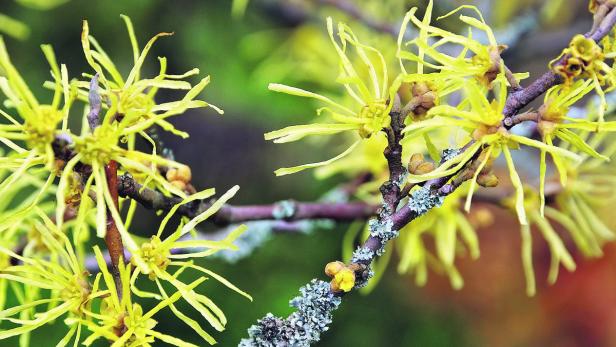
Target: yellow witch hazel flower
30, 135
553, 122
133, 97
97, 149
484, 64
123, 322
366, 82
419, 91
61, 273
161, 256
447, 225
482, 119
585, 59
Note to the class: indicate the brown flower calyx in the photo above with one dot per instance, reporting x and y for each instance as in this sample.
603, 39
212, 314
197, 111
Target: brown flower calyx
419, 166
548, 119
496, 66
488, 180
484, 129
486, 177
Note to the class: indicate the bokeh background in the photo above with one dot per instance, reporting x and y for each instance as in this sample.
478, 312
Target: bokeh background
491, 310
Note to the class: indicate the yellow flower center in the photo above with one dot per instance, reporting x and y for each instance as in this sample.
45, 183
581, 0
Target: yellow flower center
155, 255
99, 146
375, 116
135, 103
41, 127
77, 291
549, 117
141, 327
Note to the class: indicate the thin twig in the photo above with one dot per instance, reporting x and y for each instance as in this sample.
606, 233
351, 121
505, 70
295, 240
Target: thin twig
113, 239
287, 210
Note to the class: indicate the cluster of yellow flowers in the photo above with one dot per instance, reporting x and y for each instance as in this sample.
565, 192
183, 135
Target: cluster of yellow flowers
452, 90
42, 257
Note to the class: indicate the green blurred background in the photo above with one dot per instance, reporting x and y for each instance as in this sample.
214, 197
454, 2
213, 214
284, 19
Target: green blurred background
491, 310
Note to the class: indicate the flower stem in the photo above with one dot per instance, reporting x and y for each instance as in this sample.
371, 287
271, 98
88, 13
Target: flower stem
113, 239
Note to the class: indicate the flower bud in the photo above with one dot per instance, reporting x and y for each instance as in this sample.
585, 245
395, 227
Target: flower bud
487, 180
424, 98
181, 185
420, 89
332, 268
184, 173
424, 168
416, 160
172, 174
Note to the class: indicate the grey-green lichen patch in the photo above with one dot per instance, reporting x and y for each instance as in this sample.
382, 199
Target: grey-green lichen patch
423, 199
303, 327
450, 153
383, 230
284, 209
362, 255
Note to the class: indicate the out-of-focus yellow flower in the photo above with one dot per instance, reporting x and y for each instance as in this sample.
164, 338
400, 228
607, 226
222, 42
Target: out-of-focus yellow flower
590, 185
61, 273
553, 122
558, 251
447, 225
